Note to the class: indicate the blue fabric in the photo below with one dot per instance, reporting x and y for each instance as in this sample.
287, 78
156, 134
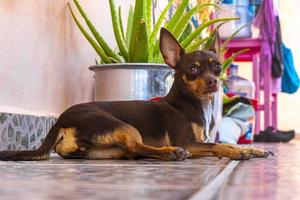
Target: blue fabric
229, 2
290, 79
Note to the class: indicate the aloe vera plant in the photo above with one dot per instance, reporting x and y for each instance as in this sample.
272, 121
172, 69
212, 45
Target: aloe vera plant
138, 42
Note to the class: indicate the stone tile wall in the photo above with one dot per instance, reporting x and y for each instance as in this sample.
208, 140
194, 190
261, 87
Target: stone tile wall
21, 132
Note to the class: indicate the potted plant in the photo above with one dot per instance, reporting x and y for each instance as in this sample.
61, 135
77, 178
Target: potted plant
136, 70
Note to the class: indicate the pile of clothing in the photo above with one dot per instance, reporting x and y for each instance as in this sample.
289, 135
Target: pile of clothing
237, 125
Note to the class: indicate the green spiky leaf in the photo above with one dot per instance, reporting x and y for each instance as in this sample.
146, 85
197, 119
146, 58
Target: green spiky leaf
141, 47
229, 60
121, 22
183, 22
138, 18
196, 44
227, 41
177, 16
108, 51
117, 30
94, 44
129, 25
148, 15
156, 28
198, 30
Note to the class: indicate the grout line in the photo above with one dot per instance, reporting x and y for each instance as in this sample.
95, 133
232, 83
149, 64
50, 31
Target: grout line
211, 190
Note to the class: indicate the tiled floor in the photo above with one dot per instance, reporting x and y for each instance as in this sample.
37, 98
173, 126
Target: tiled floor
276, 178
272, 178
106, 179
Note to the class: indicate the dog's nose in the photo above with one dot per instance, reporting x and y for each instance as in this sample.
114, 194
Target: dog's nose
211, 82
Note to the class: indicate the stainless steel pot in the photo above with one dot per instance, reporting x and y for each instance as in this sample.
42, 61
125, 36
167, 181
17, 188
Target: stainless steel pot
131, 81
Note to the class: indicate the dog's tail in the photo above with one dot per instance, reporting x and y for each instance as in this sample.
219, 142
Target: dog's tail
42, 153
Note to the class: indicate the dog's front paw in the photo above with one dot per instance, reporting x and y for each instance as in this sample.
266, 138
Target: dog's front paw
257, 153
240, 153
177, 153
246, 155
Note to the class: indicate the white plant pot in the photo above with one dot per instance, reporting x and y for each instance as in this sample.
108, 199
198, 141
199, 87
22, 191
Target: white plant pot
131, 81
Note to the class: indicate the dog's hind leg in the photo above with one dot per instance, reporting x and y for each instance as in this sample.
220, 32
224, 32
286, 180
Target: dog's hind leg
112, 152
130, 139
96, 134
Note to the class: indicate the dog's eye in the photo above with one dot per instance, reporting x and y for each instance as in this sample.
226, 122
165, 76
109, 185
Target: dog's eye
218, 68
193, 69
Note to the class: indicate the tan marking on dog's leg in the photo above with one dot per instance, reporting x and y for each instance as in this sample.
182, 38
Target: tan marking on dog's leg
164, 142
198, 149
116, 152
125, 135
225, 150
131, 138
67, 142
167, 139
239, 153
198, 132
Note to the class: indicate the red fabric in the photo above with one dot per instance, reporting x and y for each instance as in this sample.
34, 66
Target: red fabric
156, 98
243, 140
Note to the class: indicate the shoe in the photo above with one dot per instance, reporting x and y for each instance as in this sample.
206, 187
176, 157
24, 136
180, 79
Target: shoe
272, 135
288, 135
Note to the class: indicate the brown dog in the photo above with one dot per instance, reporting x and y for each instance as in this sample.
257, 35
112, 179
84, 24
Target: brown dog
169, 129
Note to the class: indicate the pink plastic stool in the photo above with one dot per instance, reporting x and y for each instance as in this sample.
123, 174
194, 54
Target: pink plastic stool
269, 105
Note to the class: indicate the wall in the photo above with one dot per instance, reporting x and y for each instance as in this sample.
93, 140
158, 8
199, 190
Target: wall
44, 58
289, 105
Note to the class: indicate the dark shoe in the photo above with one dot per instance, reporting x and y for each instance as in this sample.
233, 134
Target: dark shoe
272, 135
288, 135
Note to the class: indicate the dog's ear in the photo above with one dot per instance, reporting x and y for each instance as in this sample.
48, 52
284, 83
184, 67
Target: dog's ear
170, 48
216, 44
